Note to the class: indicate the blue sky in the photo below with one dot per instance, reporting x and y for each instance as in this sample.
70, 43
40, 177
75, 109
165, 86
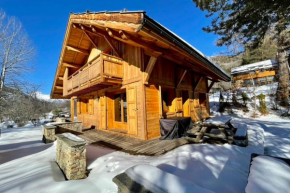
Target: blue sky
45, 22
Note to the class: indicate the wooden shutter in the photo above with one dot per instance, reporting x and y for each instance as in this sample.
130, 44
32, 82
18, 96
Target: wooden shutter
132, 110
79, 106
103, 117
91, 105
178, 102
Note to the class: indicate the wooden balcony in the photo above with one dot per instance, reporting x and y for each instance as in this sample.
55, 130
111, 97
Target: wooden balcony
257, 74
104, 71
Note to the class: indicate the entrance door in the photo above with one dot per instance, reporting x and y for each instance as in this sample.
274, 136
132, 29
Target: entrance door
132, 110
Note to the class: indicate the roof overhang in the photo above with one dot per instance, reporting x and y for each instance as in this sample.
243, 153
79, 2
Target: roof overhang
134, 28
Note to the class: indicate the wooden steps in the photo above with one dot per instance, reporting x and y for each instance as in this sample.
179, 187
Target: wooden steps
134, 146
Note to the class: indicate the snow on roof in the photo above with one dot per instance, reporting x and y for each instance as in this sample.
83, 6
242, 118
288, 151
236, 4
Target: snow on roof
255, 66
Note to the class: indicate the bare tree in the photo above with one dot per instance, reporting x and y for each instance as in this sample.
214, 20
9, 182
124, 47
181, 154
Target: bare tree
15, 51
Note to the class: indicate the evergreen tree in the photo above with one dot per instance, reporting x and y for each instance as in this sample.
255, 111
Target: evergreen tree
249, 21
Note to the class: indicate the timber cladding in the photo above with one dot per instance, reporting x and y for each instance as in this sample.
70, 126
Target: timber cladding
122, 77
152, 111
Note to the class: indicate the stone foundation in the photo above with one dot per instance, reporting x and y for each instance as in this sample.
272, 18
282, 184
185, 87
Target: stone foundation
71, 156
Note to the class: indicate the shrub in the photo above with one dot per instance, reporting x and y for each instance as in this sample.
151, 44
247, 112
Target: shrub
263, 107
245, 98
56, 112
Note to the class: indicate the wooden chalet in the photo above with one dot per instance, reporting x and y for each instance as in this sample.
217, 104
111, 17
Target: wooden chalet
260, 72
123, 72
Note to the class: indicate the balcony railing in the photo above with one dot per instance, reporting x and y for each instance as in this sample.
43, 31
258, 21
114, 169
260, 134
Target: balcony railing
103, 71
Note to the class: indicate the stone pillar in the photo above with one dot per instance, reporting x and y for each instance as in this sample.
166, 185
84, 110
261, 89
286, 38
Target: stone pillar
48, 133
71, 156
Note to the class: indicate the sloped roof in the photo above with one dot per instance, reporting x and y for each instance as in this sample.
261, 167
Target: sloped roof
136, 24
186, 46
266, 64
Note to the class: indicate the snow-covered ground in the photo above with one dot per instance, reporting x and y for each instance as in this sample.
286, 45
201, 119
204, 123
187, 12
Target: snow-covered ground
264, 168
28, 165
213, 167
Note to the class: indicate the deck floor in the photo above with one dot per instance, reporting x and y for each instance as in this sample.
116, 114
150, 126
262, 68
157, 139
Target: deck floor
133, 146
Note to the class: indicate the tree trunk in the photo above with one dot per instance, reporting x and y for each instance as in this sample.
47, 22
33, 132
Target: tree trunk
283, 78
2, 78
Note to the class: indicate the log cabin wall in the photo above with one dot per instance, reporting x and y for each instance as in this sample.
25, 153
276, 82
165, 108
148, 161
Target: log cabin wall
97, 108
102, 115
113, 63
172, 91
259, 77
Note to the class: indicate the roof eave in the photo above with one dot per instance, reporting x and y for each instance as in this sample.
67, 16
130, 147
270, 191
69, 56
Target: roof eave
152, 24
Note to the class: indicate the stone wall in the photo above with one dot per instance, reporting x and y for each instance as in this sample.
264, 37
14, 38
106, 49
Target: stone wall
71, 156
72, 126
48, 133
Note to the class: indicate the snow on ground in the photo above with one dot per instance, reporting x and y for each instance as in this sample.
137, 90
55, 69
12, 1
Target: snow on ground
264, 167
277, 128
219, 168
28, 165
149, 177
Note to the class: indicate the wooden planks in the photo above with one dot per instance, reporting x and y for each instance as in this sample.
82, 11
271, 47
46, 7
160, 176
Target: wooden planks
151, 147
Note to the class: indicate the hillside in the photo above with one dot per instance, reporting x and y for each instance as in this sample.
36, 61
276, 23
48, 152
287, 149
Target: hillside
228, 62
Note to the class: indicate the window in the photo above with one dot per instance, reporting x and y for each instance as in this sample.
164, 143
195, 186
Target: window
120, 106
270, 78
85, 106
247, 81
263, 79
202, 99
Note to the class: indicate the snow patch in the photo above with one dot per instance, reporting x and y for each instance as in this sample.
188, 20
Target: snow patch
156, 180
268, 175
73, 137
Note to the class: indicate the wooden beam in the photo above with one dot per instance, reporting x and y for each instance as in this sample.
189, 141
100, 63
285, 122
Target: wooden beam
81, 26
58, 87
210, 86
70, 65
110, 33
123, 35
81, 51
89, 37
60, 78
183, 74
150, 48
195, 85
149, 68
160, 102
112, 46
153, 49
